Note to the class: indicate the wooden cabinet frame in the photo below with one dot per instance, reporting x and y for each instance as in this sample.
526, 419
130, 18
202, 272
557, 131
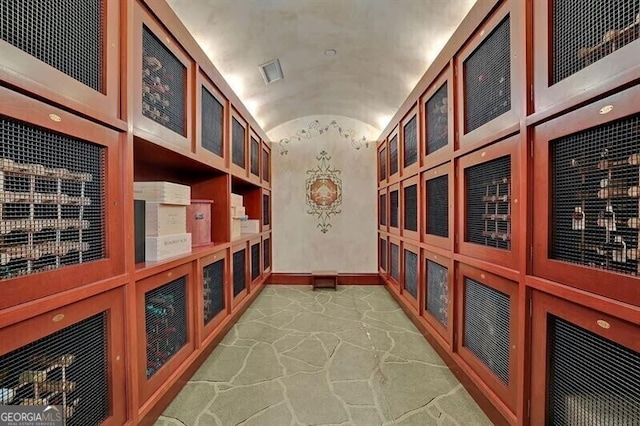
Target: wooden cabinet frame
239, 171
413, 235
235, 300
267, 270
443, 154
206, 155
431, 239
18, 290
412, 168
395, 230
253, 283
413, 302
591, 279
395, 283
382, 239
253, 178
445, 332
385, 227
393, 178
265, 166
145, 127
205, 330
266, 227
383, 181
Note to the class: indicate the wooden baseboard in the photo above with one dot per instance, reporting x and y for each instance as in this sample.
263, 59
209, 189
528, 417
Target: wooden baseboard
343, 279
481, 399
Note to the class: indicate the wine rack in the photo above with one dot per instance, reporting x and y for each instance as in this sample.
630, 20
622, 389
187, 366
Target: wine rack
238, 143
393, 155
410, 274
212, 123
255, 156
382, 243
255, 261
382, 164
437, 294
239, 272
410, 142
437, 120
382, 210
213, 277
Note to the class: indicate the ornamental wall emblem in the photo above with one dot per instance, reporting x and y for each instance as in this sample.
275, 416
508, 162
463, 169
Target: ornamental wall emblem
316, 128
324, 192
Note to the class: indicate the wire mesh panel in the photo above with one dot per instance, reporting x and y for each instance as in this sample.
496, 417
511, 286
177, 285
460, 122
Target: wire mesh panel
486, 326
411, 273
437, 120
66, 34
437, 298
212, 123
266, 164
383, 164
239, 275
255, 157
585, 32
487, 79
438, 206
266, 253
592, 380
255, 261
411, 208
237, 144
382, 209
595, 197
488, 198
393, 209
410, 142
52, 200
395, 262
165, 323
266, 209
68, 368
213, 289
383, 254
393, 156
163, 84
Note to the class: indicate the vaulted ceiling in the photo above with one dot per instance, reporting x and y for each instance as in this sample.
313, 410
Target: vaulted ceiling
382, 47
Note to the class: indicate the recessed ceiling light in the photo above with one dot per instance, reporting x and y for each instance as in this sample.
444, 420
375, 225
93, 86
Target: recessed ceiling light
330, 52
271, 71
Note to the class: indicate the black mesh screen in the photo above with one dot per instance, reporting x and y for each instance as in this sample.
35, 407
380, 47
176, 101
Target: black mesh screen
585, 32
393, 156
68, 368
411, 208
239, 276
213, 289
383, 254
266, 210
382, 209
255, 261
66, 34
595, 197
395, 262
255, 157
163, 84
437, 120
487, 79
437, 299
212, 123
410, 142
266, 253
592, 380
165, 323
393, 209
238, 145
489, 203
266, 164
52, 200
383, 164
411, 273
486, 326
438, 206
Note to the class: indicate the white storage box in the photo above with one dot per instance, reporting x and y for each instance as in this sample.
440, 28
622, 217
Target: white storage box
162, 192
236, 200
251, 226
164, 219
166, 246
236, 228
238, 211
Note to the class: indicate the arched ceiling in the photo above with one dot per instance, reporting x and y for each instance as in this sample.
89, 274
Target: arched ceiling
383, 48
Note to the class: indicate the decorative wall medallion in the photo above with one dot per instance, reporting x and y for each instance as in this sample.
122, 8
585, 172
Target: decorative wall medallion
324, 191
316, 129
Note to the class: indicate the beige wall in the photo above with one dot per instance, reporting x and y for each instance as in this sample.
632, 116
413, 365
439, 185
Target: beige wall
349, 244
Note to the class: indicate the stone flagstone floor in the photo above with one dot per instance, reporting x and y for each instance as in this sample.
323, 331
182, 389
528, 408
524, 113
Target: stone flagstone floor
299, 357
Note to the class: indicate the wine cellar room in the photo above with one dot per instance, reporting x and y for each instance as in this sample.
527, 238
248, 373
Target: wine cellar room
179, 177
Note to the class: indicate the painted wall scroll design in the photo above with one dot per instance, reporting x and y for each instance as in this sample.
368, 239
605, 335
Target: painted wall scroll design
324, 192
316, 128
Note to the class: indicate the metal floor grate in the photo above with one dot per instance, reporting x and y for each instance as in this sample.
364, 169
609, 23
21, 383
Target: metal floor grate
437, 120
410, 142
488, 198
586, 31
66, 34
393, 155
255, 261
437, 300
213, 289
165, 323
67, 368
592, 380
596, 189
393, 209
486, 326
212, 123
163, 84
438, 206
487, 79
238, 144
395, 262
52, 200
411, 208
411, 273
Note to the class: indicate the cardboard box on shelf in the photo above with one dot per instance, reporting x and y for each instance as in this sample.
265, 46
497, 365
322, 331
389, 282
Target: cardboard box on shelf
164, 219
236, 200
162, 192
251, 226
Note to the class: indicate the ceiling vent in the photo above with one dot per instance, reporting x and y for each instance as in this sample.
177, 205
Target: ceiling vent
271, 71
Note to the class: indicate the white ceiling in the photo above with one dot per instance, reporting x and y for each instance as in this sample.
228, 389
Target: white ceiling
383, 48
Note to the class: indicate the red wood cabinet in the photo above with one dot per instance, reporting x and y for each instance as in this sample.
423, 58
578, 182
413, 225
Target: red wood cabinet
436, 114
266, 165
410, 150
394, 262
213, 276
383, 254
211, 130
437, 197
255, 151
437, 296
411, 288
255, 262
393, 148
267, 254
393, 199
383, 210
238, 141
410, 208
239, 272
383, 164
